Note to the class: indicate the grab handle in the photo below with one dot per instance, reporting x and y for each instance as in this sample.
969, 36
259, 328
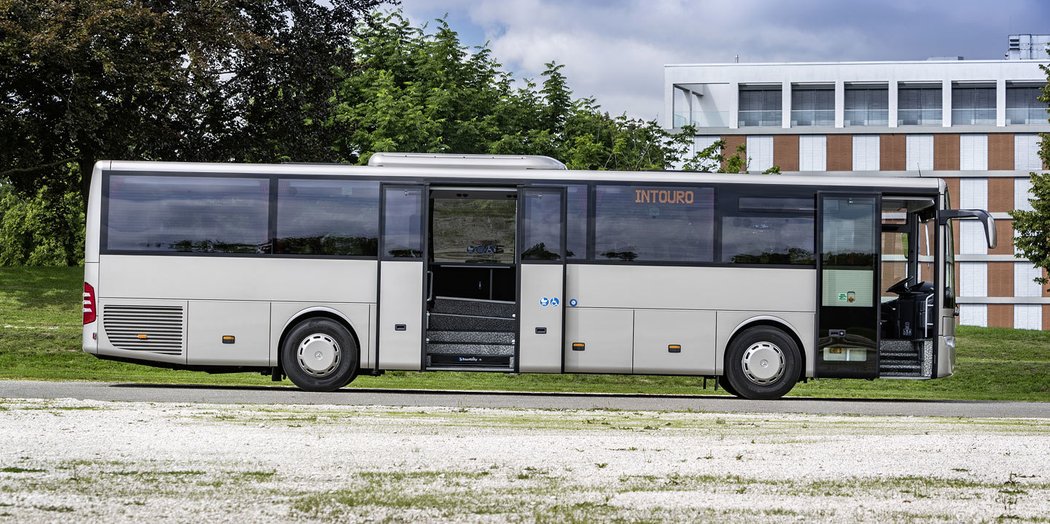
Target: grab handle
430, 286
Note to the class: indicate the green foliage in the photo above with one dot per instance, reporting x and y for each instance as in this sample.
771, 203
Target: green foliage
419, 91
45, 229
1032, 228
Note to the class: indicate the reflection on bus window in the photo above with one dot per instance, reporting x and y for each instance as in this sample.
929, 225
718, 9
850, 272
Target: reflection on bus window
654, 224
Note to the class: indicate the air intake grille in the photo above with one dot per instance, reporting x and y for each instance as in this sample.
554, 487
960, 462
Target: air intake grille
157, 329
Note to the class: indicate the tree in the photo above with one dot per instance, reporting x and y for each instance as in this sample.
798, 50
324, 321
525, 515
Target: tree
1032, 228
83, 80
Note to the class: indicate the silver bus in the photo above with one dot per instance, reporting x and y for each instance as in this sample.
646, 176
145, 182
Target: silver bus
320, 273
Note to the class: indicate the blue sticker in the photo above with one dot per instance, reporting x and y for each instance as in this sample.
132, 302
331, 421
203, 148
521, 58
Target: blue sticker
572, 302
544, 301
555, 302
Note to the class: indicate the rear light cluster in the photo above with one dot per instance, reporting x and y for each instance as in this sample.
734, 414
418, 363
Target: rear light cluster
89, 303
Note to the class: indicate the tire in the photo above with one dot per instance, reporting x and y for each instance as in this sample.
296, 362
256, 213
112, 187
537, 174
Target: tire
723, 383
319, 354
762, 363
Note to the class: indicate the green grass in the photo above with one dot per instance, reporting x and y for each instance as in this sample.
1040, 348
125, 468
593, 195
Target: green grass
40, 326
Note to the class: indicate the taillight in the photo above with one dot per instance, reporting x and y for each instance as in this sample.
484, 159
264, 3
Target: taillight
89, 303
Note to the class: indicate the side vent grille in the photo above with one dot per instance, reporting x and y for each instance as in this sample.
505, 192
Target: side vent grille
157, 329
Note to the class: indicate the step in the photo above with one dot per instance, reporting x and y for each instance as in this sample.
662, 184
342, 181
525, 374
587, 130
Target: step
912, 355
489, 350
474, 307
451, 322
884, 366
471, 337
470, 362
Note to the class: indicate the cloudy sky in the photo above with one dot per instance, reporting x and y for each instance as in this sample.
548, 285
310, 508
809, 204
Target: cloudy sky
615, 50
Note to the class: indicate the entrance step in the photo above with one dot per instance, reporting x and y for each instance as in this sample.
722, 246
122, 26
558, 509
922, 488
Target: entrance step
490, 350
453, 322
474, 307
902, 358
471, 337
502, 363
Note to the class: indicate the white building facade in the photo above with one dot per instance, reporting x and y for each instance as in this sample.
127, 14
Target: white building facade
974, 123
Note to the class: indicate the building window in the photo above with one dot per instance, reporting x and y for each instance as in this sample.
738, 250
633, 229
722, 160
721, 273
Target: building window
867, 105
812, 153
973, 153
759, 153
919, 153
866, 153
1023, 105
973, 104
760, 106
1026, 153
813, 106
919, 105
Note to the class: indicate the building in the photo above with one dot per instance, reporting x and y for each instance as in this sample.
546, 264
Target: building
974, 123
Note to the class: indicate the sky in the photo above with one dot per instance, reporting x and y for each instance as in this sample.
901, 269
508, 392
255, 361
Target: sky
615, 50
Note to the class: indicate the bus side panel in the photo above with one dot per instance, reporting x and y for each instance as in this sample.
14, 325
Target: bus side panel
239, 278
361, 318
212, 322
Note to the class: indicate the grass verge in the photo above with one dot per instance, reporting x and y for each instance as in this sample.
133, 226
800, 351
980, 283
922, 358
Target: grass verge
40, 323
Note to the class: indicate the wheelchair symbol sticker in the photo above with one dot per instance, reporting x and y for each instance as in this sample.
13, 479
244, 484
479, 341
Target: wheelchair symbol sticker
555, 302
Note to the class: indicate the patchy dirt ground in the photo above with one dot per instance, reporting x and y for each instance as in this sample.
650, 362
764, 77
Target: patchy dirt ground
71, 460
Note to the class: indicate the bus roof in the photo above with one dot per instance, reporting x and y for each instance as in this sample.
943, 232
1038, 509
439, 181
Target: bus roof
459, 174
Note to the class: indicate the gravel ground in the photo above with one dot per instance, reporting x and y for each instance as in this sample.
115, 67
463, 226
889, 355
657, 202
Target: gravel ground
80, 460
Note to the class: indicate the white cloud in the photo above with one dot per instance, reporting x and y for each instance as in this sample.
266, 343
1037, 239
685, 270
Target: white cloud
615, 51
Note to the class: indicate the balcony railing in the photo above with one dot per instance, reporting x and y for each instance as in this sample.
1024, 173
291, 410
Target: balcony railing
919, 117
812, 117
760, 118
702, 118
975, 116
1026, 115
867, 117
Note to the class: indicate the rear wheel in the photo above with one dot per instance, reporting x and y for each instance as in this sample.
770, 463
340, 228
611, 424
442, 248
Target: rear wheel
319, 354
762, 363
723, 382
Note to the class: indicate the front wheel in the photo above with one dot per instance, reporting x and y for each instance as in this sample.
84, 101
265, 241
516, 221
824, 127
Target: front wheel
763, 363
319, 355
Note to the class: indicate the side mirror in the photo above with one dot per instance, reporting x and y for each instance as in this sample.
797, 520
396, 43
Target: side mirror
964, 214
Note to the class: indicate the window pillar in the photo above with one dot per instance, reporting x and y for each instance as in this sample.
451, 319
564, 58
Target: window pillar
785, 105
1000, 102
840, 103
892, 104
946, 103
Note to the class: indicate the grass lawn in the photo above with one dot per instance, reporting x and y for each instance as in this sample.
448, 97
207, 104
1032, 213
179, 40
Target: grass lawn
40, 323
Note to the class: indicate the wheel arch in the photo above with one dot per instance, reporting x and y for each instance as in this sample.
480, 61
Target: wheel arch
774, 322
319, 312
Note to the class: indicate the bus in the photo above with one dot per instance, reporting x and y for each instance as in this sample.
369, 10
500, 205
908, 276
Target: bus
321, 273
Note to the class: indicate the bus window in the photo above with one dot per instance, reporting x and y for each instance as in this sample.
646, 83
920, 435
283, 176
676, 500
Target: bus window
767, 230
188, 214
576, 223
328, 217
654, 224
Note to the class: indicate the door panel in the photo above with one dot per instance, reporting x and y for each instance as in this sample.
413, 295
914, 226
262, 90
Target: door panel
400, 321
211, 321
542, 279
848, 281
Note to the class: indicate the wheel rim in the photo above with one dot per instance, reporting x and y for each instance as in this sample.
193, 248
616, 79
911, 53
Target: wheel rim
763, 363
319, 355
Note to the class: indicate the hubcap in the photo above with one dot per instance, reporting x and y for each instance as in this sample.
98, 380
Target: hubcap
319, 354
763, 363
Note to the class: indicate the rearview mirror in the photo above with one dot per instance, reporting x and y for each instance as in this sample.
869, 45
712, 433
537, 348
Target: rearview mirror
964, 214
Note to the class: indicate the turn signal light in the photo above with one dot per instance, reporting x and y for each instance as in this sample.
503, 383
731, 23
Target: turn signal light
89, 303
578, 346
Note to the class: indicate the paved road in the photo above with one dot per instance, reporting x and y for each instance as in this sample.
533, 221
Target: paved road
388, 397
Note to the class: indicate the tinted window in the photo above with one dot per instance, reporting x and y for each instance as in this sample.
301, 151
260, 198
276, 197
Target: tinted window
328, 217
402, 223
654, 224
767, 229
576, 226
188, 214
541, 232
473, 230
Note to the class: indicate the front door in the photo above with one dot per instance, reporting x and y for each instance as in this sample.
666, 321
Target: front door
541, 248
848, 285
401, 321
